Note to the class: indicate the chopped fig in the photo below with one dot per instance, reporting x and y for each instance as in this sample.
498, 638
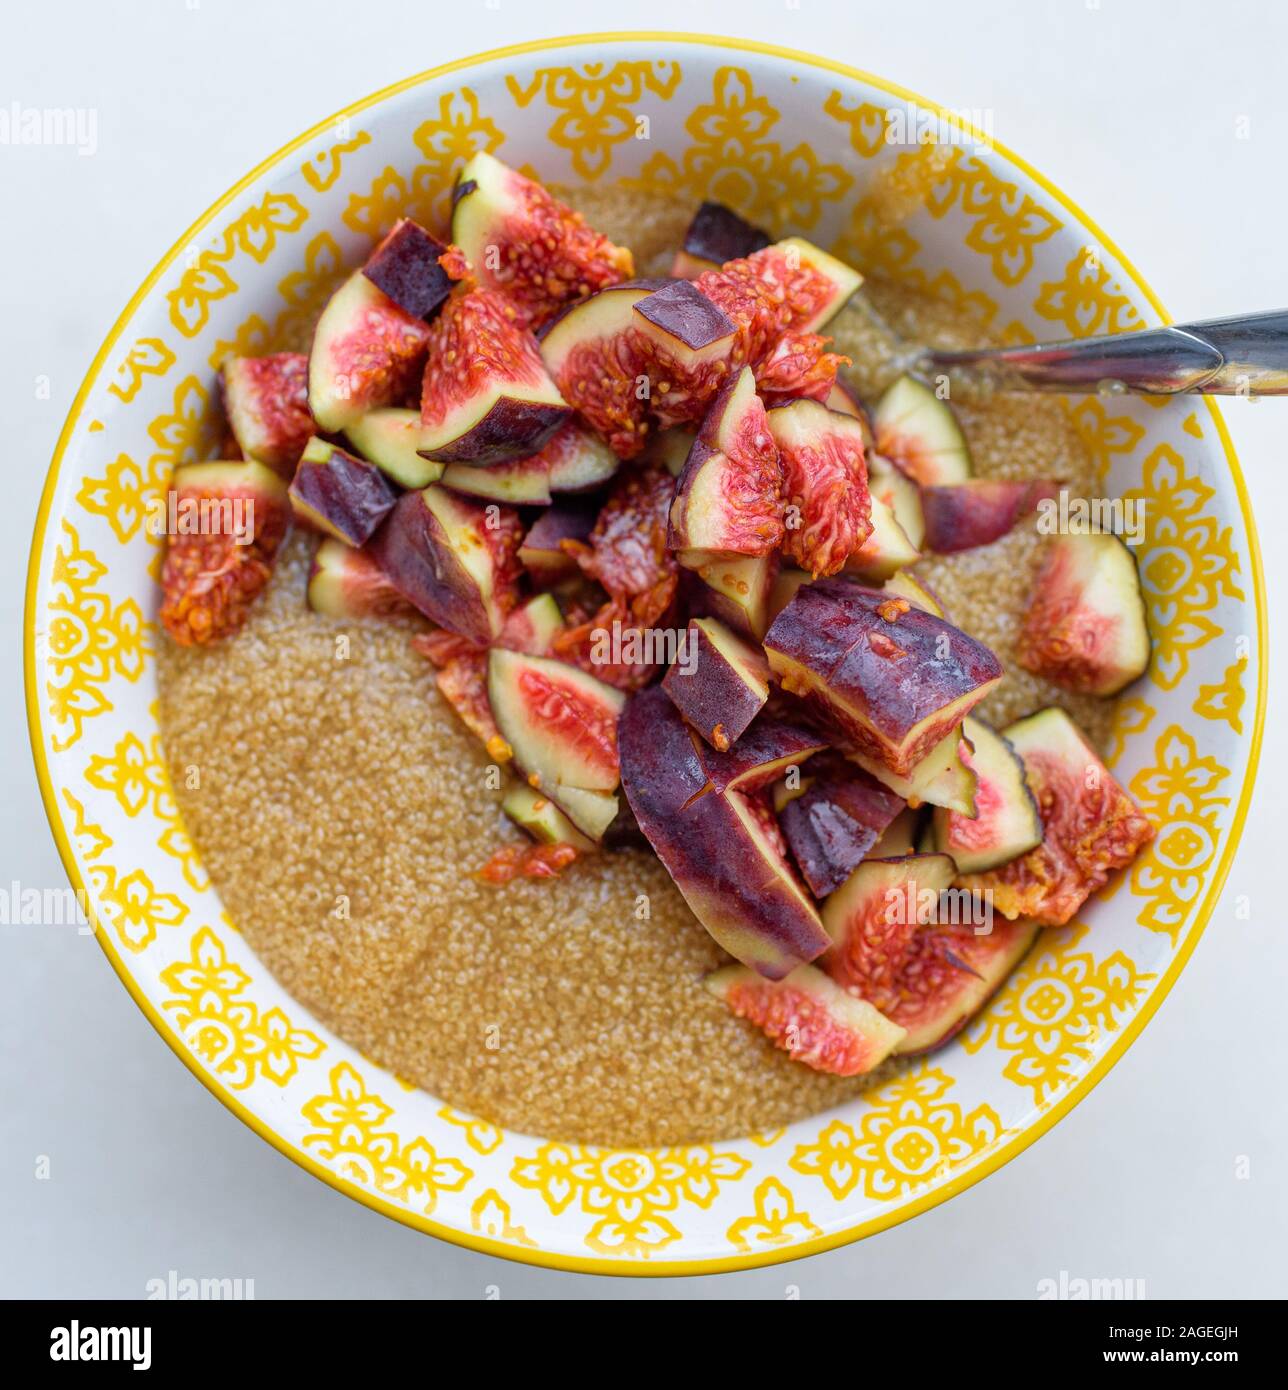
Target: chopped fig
899, 837
266, 400
721, 848
533, 626
810, 1017
734, 589
887, 949
729, 497
789, 287
1090, 826
961, 516
943, 777
832, 827
542, 553
726, 687
406, 267
829, 514
391, 439
486, 396
524, 482
227, 521
1006, 823
340, 495
560, 721
1085, 627
593, 813
526, 244
542, 819
761, 756
892, 678
367, 353
897, 490
347, 583
716, 235
920, 433
886, 550
905, 584
452, 558
577, 460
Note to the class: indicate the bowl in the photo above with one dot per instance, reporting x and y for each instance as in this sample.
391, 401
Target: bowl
797, 141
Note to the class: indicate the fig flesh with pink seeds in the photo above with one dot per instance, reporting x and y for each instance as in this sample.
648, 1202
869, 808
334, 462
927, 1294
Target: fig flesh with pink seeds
266, 400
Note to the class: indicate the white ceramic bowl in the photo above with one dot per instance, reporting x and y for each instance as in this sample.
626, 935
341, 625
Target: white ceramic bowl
798, 142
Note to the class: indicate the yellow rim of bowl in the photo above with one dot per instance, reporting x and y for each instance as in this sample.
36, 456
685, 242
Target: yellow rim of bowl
578, 1263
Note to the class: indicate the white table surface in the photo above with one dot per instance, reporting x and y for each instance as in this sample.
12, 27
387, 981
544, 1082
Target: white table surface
1134, 107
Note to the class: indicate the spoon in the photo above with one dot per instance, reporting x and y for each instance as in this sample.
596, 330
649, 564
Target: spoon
1246, 355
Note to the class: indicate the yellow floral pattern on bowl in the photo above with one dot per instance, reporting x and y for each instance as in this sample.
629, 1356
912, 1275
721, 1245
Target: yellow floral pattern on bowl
799, 144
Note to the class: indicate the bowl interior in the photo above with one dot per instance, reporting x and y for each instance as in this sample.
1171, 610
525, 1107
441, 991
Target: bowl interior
798, 144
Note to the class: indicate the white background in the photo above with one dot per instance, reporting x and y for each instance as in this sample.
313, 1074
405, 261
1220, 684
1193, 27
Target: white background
1134, 109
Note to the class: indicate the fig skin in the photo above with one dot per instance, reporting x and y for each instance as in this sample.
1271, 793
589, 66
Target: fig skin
406, 266
339, 494
833, 824
731, 874
716, 235
963, 516
727, 687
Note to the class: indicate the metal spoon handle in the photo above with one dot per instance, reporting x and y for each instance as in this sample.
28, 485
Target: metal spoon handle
1246, 356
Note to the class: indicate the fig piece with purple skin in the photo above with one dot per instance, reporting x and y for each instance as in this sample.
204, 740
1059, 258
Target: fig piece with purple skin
715, 235
266, 400
452, 558
542, 553
1086, 627
733, 588
729, 495
367, 353
486, 395
391, 439
962, 516
526, 245
722, 849
810, 1017
834, 824
339, 494
892, 679
919, 433
406, 267
347, 583
763, 754
722, 685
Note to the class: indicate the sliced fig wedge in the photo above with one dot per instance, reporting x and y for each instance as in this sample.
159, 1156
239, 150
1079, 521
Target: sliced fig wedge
542, 819
339, 494
347, 583
227, 522
1085, 627
1006, 822
944, 777
560, 721
834, 824
722, 849
828, 510
1090, 826
893, 679
761, 756
486, 395
266, 400
367, 353
543, 553
453, 558
578, 460
962, 516
896, 489
810, 1017
887, 549
729, 496
525, 244
920, 433
735, 589
524, 482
